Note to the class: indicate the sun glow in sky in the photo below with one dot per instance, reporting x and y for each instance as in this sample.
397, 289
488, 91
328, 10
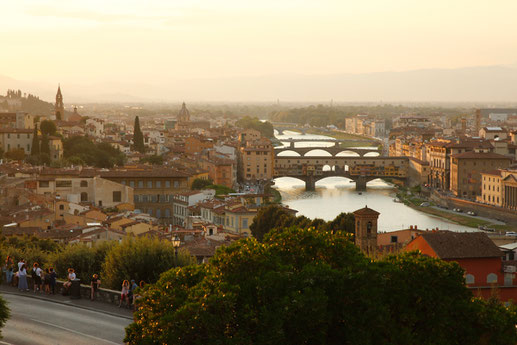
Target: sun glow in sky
153, 40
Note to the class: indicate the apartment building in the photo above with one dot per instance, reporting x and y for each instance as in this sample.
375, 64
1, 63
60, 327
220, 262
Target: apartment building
92, 190
256, 160
466, 169
15, 138
153, 188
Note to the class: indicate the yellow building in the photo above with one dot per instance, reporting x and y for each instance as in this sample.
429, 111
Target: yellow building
238, 219
499, 188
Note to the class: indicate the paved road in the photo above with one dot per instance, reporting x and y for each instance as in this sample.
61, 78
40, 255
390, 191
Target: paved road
37, 322
492, 221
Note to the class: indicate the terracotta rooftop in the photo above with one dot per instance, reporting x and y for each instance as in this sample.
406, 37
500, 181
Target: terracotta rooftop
365, 211
461, 245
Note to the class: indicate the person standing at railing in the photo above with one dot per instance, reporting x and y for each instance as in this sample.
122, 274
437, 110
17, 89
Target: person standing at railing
94, 284
22, 279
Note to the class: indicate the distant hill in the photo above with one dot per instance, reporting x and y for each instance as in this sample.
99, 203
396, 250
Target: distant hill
488, 84
17, 100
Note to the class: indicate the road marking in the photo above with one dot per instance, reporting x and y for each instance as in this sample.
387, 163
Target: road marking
74, 331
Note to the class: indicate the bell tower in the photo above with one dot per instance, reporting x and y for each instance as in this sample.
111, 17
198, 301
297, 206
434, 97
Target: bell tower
59, 107
366, 230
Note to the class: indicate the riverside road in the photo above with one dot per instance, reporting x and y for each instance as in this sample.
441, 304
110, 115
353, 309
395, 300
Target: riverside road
39, 322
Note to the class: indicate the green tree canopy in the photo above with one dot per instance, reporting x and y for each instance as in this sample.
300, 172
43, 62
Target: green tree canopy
265, 128
277, 217
304, 286
35, 142
48, 127
154, 160
200, 183
79, 149
15, 154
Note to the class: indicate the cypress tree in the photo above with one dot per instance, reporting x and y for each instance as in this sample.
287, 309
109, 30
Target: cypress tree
138, 137
45, 145
35, 142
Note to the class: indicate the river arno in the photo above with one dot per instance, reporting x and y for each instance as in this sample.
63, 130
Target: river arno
334, 195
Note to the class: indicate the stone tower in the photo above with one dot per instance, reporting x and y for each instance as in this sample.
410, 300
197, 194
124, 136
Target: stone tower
366, 230
59, 107
184, 114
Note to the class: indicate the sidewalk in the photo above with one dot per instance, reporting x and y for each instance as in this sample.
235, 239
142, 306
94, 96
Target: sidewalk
82, 303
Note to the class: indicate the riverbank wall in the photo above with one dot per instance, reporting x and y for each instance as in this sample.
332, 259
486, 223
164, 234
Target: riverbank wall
481, 209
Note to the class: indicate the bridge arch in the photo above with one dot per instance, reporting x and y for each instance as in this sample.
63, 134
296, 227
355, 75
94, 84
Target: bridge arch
288, 153
320, 152
347, 153
372, 154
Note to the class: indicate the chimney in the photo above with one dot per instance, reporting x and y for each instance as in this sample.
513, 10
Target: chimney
416, 227
411, 227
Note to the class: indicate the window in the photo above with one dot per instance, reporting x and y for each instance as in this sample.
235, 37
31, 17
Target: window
158, 184
64, 183
167, 184
61, 207
394, 239
136, 198
43, 184
84, 197
491, 278
100, 203
132, 184
245, 223
149, 184
176, 184
167, 213
117, 196
158, 213
144, 198
140, 184
469, 279
84, 183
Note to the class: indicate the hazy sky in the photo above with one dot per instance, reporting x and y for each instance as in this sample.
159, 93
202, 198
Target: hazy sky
152, 40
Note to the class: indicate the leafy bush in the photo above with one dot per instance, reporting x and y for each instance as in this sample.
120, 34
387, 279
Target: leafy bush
140, 259
84, 260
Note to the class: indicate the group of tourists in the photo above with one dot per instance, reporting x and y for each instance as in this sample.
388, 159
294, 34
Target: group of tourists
44, 280
128, 292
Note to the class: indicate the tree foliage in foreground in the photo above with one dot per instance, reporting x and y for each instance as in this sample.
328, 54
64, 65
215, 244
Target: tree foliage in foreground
304, 286
4, 313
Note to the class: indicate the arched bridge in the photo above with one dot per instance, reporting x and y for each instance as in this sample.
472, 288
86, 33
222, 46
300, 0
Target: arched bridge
333, 150
359, 169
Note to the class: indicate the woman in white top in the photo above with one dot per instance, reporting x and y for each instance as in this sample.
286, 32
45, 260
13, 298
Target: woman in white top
22, 279
71, 276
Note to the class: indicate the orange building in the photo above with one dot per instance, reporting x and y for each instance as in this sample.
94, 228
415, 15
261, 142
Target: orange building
197, 144
220, 171
476, 254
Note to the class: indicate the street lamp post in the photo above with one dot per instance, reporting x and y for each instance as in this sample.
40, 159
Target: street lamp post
176, 243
